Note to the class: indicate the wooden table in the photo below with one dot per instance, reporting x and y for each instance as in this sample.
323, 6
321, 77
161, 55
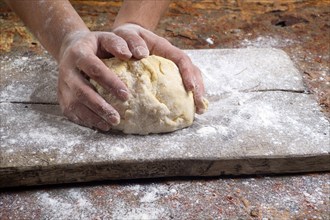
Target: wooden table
260, 121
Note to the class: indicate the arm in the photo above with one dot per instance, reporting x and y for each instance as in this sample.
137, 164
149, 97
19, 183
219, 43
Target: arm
50, 21
77, 50
145, 13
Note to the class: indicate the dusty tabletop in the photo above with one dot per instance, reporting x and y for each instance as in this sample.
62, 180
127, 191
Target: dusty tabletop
301, 28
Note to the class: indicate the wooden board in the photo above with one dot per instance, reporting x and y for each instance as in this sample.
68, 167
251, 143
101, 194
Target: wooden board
260, 121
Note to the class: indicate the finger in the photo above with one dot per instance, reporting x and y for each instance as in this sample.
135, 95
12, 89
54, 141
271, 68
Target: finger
136, 44
199, 88
115, 45
186, 68
64, 98
85, 117
191, 75
199, 92
162, 47
85, 94
88, 118
97, 70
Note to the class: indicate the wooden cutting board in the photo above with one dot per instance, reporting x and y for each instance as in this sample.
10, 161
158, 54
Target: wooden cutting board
260, 121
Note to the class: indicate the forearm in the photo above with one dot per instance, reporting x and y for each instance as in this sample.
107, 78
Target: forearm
52, 22
145, 13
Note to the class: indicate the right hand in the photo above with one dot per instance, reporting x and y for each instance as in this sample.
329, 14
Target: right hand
79, 60
142, 42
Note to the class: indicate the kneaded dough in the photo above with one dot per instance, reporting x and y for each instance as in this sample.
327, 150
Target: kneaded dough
158, 101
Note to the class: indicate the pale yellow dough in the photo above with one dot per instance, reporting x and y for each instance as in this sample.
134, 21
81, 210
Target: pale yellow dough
158, 101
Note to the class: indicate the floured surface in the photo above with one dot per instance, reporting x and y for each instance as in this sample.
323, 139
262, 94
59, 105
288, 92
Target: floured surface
175, 199
34, 78
241, 70
248, 125
262, 115
28, 78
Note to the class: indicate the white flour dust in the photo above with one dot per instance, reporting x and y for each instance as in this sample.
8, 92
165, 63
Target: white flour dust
207, 130
266, 42
73, 206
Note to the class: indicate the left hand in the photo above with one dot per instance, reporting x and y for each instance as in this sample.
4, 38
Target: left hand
142, 42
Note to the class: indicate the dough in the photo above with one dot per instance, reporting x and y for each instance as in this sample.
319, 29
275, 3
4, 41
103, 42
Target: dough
158, 100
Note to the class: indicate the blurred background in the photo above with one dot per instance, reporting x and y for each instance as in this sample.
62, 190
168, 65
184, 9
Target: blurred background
299, 27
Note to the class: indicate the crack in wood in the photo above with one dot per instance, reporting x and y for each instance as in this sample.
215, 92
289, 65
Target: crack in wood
29, 103
276, 90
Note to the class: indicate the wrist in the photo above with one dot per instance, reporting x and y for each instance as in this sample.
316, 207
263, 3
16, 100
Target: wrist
126, 24
145, 13
69, 39
120, 24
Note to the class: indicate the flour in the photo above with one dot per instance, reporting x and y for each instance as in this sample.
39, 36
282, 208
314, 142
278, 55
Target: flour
209, 41
266, 41
141, 213
28, 78
272, 196
151, 195
242, 70
204, 131
148, 208
76, 205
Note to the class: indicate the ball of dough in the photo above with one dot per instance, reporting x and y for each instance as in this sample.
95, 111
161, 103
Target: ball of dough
158, 101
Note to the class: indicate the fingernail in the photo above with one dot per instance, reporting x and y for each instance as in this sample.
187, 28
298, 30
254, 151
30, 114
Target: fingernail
123, 94
191, 87
200, 111
203, 106
140, 52
104, 126
125, 52
114, 120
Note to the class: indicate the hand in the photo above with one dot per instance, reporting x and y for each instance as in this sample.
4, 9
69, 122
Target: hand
141, 42
78, 61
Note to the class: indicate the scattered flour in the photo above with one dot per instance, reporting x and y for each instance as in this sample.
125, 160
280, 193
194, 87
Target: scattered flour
174, 201
141, 213
35, 77
207, 130
74, 206
209, 41
148, 206
265, 42
152, 194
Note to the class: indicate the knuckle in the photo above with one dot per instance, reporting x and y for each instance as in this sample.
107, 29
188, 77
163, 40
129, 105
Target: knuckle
105, 111
163, 41
110, 39
94, 70
80, 94
70, 108
100, 109
62, 69
122, 31
184, 68
76, 52
117, 41
184, 62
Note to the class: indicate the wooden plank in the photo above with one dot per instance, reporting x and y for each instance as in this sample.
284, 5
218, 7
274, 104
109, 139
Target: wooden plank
268, 126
